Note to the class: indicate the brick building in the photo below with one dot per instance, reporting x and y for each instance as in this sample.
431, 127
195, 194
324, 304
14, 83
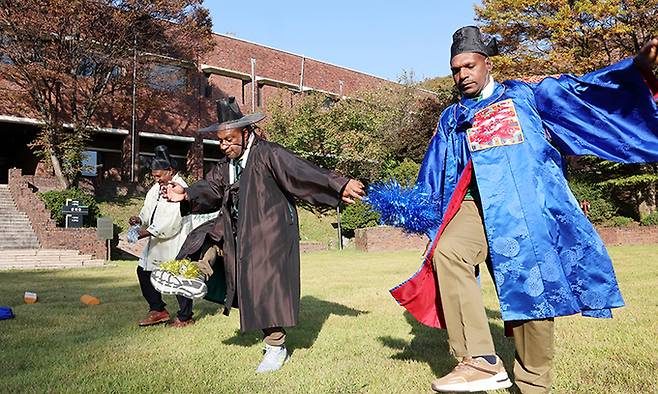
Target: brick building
251, 72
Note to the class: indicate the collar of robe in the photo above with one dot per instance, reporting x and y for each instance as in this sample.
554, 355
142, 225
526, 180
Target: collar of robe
465, 109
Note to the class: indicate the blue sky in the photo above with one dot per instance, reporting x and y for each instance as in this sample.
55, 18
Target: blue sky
378, 37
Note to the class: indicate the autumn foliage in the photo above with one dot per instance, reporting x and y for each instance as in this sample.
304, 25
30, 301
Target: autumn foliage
565, 36
66, 62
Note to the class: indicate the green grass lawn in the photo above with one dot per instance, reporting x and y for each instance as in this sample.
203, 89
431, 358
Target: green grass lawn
353, 337
120, 209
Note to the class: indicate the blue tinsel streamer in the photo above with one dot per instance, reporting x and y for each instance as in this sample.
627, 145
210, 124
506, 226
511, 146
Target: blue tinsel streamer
411, 208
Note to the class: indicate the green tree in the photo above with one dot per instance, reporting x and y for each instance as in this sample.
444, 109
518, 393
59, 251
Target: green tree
628, 189
363, 136
374, 135
405, 173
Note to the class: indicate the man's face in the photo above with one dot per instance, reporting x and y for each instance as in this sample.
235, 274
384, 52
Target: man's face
163, 177
471, 72
231, 140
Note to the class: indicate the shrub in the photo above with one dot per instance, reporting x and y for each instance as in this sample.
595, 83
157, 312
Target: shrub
620, 221
405, 173
358, 215
56, 199
650, 220
601, 206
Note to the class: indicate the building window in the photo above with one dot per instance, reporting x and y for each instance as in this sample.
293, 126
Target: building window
244, 84
167, 77
207, 90
4, 58
87, 67
89, 163
259, 96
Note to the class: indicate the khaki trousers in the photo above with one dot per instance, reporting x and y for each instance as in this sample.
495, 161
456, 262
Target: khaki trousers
461, 248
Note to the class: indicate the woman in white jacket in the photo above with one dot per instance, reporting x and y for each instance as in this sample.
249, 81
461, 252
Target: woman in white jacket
162, 223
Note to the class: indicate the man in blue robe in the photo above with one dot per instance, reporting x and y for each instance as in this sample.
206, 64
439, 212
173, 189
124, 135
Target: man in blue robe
496, 169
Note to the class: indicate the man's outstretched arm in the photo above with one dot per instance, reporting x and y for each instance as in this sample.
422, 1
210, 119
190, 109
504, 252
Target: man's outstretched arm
610, 113
647, 58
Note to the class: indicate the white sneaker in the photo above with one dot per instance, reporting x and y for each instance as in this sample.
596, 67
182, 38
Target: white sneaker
474, 374
166, 283
274, 358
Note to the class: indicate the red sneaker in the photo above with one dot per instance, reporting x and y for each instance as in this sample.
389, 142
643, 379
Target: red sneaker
178, 323
154, 317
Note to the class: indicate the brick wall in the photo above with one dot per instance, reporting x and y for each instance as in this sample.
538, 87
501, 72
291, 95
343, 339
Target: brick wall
43, 183
307, 246
236, 54
50, 236
637, 235
385, 239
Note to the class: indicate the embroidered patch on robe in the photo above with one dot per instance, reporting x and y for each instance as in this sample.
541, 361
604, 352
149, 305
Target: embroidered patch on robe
496, 125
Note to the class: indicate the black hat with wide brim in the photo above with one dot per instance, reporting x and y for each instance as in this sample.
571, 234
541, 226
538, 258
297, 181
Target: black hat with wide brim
229, 117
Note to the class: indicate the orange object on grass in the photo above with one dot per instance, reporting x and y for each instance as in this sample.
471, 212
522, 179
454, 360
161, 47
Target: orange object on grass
89, 300
30, 297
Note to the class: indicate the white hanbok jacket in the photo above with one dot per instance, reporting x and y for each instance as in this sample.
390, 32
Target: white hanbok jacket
169, 230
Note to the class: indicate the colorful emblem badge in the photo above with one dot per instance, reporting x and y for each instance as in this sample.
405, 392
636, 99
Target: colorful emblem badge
496, 125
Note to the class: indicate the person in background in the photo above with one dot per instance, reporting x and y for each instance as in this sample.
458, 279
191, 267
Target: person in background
160, 221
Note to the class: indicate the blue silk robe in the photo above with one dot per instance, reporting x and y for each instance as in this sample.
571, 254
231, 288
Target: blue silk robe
547, 259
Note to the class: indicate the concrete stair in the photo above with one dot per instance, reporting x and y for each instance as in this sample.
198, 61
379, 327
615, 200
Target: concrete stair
15, 228
27, 259
19, 245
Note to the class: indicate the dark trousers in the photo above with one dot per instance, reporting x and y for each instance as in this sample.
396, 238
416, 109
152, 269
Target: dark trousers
184, 308
151, 295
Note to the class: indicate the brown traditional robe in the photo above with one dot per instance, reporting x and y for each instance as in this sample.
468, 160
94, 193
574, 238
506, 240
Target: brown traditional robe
261, 260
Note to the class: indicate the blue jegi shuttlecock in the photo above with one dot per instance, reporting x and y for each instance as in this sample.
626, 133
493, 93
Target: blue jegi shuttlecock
410, 208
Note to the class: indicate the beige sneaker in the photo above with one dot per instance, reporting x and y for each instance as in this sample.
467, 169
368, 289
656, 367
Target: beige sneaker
474, 374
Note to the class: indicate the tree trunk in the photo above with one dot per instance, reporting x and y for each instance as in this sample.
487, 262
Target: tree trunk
648, 200
58, 171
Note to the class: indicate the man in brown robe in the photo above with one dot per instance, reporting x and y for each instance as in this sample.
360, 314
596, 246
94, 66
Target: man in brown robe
256, 185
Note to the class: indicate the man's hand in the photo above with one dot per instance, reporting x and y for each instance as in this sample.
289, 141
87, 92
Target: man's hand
206, 262
133, 220
353, 190
205, 269
143, 233
647, 58
174, 192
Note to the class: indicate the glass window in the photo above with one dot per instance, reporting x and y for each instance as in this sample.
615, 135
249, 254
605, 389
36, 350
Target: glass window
86, 67
89, 163
167, 77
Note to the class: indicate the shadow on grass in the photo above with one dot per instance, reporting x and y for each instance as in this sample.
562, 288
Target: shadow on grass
430, 345
312, 316
205, 308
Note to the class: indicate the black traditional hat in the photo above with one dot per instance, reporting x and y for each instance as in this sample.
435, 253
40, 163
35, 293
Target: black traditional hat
229, 116
469, 39
162, 160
